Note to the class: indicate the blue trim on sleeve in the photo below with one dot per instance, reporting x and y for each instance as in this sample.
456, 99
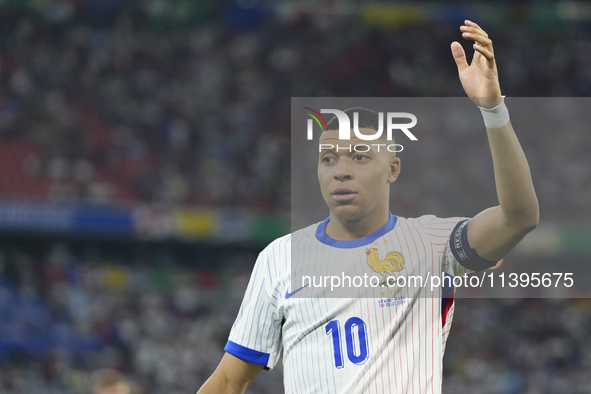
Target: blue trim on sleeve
325, 239
462, 251
247, 354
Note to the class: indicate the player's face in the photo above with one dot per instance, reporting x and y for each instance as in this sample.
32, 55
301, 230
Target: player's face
354, 184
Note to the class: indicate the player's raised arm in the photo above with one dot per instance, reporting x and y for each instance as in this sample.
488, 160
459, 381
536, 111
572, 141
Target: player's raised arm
495, 231
232, 376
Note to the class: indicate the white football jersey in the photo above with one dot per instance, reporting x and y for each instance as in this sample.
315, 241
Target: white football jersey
383, 344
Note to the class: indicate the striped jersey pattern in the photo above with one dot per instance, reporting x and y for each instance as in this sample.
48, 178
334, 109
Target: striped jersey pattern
378, 345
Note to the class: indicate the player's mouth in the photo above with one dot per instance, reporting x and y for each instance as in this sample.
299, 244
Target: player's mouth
343, 194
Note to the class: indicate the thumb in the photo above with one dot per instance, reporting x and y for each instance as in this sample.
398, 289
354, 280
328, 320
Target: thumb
459, 56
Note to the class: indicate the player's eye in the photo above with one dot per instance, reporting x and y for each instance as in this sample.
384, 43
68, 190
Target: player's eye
328, 159
361, 158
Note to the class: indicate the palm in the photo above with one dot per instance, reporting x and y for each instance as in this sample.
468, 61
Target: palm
478, 80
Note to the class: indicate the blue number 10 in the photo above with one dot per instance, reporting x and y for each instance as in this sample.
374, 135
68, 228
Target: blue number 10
356, 347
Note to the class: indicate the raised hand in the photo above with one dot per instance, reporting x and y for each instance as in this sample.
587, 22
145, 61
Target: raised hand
480, 79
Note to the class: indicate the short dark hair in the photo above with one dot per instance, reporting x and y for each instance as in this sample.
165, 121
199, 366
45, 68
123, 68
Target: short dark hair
367, 119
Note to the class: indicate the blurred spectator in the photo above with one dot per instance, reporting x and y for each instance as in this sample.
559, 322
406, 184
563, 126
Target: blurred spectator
109, 381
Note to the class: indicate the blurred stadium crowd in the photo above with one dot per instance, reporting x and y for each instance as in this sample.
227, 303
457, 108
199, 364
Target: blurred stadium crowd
103, 102
66, 315
121, 109
165, 327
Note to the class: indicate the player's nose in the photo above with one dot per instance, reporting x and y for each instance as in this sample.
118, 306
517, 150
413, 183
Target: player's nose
342, 171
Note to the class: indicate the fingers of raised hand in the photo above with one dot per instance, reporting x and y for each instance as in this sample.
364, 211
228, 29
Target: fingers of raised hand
479, 38
470, 24
486, 52
471, 31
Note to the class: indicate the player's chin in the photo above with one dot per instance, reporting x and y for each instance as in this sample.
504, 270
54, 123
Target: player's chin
347, 211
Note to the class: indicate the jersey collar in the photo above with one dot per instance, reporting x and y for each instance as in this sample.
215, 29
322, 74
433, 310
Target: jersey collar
325, 239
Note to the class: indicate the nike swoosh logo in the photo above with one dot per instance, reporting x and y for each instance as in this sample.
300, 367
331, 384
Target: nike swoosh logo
288, 294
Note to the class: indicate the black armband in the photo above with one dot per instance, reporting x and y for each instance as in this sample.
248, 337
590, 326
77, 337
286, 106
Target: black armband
462, 251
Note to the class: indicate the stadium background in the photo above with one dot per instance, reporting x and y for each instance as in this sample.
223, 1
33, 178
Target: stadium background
144, 163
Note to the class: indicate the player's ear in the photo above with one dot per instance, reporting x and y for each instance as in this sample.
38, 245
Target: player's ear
394, 170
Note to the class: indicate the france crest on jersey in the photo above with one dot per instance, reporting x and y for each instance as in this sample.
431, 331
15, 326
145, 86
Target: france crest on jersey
377, 338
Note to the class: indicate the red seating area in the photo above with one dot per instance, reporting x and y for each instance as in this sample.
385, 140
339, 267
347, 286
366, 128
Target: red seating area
14, 180
23, 170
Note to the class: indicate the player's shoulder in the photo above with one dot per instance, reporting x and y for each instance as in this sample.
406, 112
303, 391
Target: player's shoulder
431, 222
283, 244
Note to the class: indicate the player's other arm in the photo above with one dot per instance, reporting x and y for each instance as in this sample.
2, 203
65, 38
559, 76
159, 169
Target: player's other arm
495, 231
232, 376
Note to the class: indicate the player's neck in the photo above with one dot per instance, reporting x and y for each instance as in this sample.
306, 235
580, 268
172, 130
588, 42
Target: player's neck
349, 230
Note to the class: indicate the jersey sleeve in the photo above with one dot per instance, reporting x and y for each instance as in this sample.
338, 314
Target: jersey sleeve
256, 334
440, 230
458, 258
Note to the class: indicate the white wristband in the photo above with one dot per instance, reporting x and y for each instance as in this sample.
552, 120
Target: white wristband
497, 117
